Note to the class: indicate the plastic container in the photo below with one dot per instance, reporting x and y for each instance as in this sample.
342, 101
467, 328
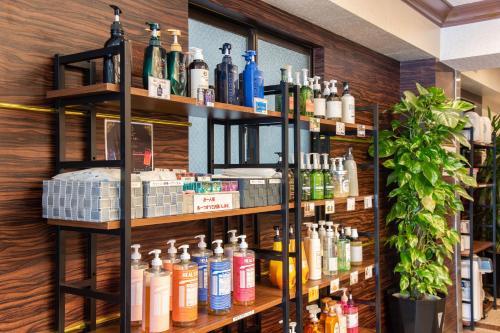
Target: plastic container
244, 274
185, 291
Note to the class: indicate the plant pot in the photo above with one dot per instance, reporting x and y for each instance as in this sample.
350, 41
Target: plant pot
416, 316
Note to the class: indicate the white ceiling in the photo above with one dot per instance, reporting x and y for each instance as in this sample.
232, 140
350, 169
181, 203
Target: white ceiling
461, 2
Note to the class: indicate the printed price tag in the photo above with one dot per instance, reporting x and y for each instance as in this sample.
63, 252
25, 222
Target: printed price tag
260, 105
314, 125
309, 209
204, 178
368, 272
361, 131
243, 315
158, 88
329, 206
313, 294
353, 278
369, 201
340, 128
334, 285
351, 204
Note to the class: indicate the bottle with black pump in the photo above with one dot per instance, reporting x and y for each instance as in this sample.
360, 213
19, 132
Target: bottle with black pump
226, 78
111, 68
155, 57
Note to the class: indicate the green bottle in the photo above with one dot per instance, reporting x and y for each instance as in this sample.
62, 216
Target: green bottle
305, 179
344, 252
317, 179
306, 94
155, 57
176, 65
328, 179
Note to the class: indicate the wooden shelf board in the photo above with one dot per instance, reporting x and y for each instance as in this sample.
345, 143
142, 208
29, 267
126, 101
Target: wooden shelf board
185, 217
478, 247
330, 125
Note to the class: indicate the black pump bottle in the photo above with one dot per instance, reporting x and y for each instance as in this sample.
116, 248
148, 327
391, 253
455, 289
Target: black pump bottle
111, 72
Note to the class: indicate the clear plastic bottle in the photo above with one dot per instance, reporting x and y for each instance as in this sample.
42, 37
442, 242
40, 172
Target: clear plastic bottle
185, 290
305, 179
306, 95
356, 248
317, 179
219, 268
321, 233
328, 179
136, 288
330, 265
344, 248
352, 173
229, 250
201, 258
156, 297
244, 274
169, 262
341, 181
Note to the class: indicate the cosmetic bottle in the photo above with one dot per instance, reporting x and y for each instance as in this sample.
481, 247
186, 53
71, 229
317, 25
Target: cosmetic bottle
176, 65
342, 318
319, 99
348, 110
169, 262
291, 177
277, 97
332, 324
356, 248
307, 238
317, 179
136, 286
200, 257
111, 66
352, 173
229, 250
185, 290
298, 81
315, 325
329, 252
344, 299
310, 111
226, 78
306, 95
324, 310
341, 181
292, 248
305, 178
155, 57
321, 233
326, 93
219, 267
276, 266
156, 297
197, 73
293, 326
311, 309
327, 178
244, 274
253, 80
334, 103
273, 264
344, 250
351, 312
314, 259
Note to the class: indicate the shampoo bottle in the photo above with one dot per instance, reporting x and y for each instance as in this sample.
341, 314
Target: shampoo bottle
230, 248
344, 248
328, 179
111, 68
329, 252
244, 274
197, 73
185, 290
155, 57
176, 65
319, 99
314, 259
317, 179
305, 178
356, 248
156, 297
253, 80
352, 173
306, 94
333, 103
226, 78
201, 258
348, 110
322, 233
136, 287
219, 301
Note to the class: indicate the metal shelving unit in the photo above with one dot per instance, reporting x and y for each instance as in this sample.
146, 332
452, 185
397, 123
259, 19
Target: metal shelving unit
474, 245
125, 97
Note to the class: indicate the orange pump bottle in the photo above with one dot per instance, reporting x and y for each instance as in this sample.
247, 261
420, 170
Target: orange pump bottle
185, 291
305, 266
332, 324
324, 309
276, 266
169, 263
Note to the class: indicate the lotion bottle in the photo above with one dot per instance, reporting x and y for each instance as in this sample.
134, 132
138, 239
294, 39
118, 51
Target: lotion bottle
356, 248
185, 290
332, 324
334, 103
201, 258
327, 178
156, 297
314, 259
198, 73
244, 274
329, 252
348, 110
219, 267
352, 173
319, 99
169, 263
230, 248
136, 287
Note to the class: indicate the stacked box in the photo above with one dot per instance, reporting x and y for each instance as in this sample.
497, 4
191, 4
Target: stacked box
273, 191
162, 198
92, 201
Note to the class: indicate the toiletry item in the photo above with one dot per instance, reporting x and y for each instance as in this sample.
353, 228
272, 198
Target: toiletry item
348, 110
136, 285
292, 247
324, 309
327, 178
292, 325
351, 313
342, 318
273, 264
326, 92
347, 232
330, 265
155, 57
344, 252
219, 267
332, 324
276, 266
305, 179
344, 299
111, 66
185, 290
291, 177
244, 274
319, 99
321, 233
297, 79
306, 95
315, 325
340, 180
197, 73
253, 80
226, 78
169, 262
307, 238
333, 103
176, 65
200, 257
156, 297
314, 259
356, 248
230, 248
317, 179
352, 173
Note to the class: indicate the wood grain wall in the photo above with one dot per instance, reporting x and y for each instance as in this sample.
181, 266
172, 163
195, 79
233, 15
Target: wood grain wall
32, 32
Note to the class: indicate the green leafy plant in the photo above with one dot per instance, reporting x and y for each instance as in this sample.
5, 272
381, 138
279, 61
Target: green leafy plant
422, 197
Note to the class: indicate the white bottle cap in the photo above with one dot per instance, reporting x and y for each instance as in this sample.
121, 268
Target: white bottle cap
334, 86
354, 233
341, 164
310, 82
326, 91
136, 255
218, 249
292, 326
317, 85
325, 161
171, 249
243, 244
233, 238
312, 307
347, 231
201, 243
333, 164
185, 255
156, 260
197, 53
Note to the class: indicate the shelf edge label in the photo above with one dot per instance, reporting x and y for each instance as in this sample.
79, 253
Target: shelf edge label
309, 209
351, 204
243, 315
361, 131
340, 128
158, 88
368, 272
329, 206
313, 294
368, 201
334, 285
260, 105
314, 125
353, 278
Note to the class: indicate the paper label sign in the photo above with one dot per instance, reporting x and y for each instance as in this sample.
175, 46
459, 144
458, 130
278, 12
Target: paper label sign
361, 131
243, 315
368, 272
257, 182
260, 105
351, 204
275, 181
314, 125
313, 294
340, 128
309, 209
369, 201
329, 206
212, 202
334, 285
158, 88
204, 178
353, 278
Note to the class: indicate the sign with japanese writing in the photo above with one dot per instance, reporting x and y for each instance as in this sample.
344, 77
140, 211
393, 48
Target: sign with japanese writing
314, 125
361, 131
329, 206
339, 128
158, 88
212, 202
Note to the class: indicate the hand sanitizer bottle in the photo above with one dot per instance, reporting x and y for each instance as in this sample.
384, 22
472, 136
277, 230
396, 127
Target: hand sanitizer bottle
219, 301
201, 258
136, 287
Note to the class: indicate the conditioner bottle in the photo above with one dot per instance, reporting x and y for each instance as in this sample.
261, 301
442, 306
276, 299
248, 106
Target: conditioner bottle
226, 78
176, 65
136, 287
185, 290
155, 57
219, 301
111, 68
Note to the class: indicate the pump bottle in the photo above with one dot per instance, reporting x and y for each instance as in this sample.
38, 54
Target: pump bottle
306, 95
321, 233
219, 301
155, 57
176, 65
340, 180
327, 178
136, 287
348, 110
156, 297
169, 262
253, 80
344, 248
333, 103
319, 99
273, 264
307, 239
226, 78
341, 317
324, 310
351, 312
314, 259
244, 274
111, 68
229, 250
201, 258
297, 80
185, 290
352, 173
317, 179
305, 179
356, 248
329, 252
292, 248
197, 73
332, 324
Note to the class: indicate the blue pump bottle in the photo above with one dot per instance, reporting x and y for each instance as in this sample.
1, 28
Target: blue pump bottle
253, 80
226, 78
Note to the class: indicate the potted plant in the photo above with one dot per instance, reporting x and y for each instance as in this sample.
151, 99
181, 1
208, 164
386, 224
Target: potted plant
421, 199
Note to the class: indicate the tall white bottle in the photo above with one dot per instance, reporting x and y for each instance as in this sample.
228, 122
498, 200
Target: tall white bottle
352, 173
314, 259
307, 238
348, 110
322, 233
136, 287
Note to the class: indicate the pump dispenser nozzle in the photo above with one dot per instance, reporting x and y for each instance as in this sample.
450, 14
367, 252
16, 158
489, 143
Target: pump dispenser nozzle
243, 243
156, 262
297, 79
118, 11
325, 161
233, 239
201, 243
326, 91
317, 85
185, 255
197, 53
116, 26
136, 255
171, 248
175, 46
310, 82
305, 71
334, 86
292, 326
308, 231
250, 55
218, 249
226, 49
